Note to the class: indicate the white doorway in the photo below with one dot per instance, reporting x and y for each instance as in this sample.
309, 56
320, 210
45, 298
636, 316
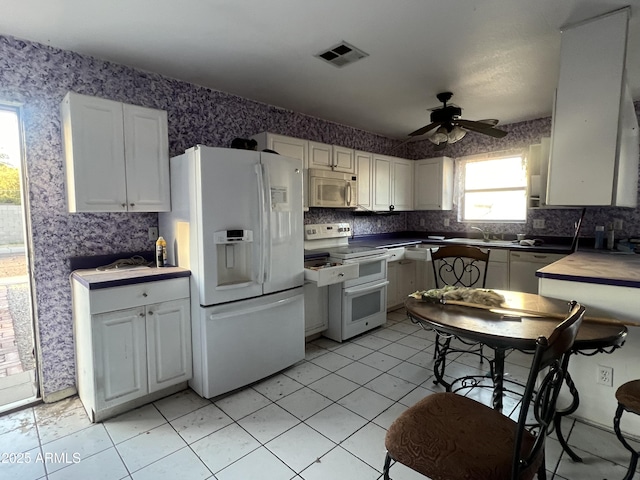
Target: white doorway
18, 372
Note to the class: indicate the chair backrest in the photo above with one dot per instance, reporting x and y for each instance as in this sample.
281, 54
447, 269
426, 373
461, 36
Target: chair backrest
549, 362
460, 266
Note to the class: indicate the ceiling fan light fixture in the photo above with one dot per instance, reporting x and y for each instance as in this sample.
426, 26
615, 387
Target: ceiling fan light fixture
439, 136
456, 134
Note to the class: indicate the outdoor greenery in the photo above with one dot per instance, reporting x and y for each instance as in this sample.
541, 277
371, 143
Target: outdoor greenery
9, 183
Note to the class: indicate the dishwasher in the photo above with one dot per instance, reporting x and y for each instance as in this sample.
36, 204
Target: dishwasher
523, 267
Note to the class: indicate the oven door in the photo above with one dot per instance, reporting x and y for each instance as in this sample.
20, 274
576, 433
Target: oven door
371, 269
363, 308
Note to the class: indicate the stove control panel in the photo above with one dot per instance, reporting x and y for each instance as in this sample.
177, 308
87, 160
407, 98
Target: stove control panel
320, 231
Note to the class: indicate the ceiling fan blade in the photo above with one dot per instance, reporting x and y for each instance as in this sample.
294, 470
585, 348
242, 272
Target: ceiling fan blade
481, 128
425, 129
489, 121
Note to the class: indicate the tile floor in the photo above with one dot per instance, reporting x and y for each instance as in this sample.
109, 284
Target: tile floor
324, 418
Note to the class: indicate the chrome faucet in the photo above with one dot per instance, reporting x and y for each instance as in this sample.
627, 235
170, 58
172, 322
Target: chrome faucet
485, 236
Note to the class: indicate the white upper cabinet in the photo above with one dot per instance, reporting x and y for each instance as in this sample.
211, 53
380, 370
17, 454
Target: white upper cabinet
331, 157
382, 174
289, 147
116, 156
392, 183
594, 142
364, 173
434, 184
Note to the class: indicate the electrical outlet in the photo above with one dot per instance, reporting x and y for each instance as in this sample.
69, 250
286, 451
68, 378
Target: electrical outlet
446, 222
379, 223
605, 376
617, 224
153, 233
423, 223
538, 223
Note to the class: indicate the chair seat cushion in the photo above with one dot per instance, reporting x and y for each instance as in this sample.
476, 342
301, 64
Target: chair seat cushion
628, 395
448, 436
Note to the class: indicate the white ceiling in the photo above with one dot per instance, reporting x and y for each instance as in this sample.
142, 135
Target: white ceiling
498, 57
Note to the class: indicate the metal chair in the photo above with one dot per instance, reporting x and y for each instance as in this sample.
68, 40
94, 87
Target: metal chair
449, 436
628, 396
458, 266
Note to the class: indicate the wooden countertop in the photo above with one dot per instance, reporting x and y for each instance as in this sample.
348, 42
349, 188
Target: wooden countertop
95, 279
621, 270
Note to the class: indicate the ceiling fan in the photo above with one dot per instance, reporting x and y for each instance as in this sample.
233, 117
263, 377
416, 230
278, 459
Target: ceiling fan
450, 127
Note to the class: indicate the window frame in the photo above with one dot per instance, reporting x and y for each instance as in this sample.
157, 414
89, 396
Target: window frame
484, 157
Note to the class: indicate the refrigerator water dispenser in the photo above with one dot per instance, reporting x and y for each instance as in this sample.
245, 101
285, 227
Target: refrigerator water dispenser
233, 250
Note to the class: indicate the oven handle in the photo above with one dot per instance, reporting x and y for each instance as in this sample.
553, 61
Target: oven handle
348, 292
371, 259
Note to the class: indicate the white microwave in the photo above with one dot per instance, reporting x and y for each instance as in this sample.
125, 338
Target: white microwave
331, 189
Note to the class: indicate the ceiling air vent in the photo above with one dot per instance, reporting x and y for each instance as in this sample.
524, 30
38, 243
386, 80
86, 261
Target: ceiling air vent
342, 54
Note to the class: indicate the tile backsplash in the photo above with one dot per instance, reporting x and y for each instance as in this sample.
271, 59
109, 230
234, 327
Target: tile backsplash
37, 77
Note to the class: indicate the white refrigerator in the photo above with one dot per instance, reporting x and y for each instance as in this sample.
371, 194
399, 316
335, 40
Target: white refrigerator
236, 222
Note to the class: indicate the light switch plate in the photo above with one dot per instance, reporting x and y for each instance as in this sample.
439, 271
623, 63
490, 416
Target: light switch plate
153, 233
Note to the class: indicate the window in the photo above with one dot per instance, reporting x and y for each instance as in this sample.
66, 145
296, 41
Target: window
493, 188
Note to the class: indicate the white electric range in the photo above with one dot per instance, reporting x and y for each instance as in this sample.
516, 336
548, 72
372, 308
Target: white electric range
357, 303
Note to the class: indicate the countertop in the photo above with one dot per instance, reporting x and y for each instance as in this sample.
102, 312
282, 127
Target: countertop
94, 279
404, 240
602, 268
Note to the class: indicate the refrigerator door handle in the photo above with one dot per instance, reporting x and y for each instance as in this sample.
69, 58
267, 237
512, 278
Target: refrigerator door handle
261, 203
266, 222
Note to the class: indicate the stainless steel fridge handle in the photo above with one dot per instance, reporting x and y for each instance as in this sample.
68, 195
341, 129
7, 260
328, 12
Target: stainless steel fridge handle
258, 169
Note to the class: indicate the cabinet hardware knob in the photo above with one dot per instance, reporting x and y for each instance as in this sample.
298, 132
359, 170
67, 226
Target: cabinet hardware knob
132, 204
124, 205
141, 314
145, 294
150, 313
341, 274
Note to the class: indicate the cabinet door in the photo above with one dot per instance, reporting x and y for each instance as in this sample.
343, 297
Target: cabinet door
392, 288
382, 182
344, 159
168, 343
120, 356
289, 147
402, 184
364, 173
93, 142
584, 139
316, 308
406, 279
498, 275
146, 159
320, 155
434, 184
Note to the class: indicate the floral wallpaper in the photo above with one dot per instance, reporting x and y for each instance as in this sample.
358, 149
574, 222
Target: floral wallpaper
38, 77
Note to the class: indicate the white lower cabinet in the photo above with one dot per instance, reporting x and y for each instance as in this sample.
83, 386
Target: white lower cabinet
131, 348
316, 308
498, 270
402, 281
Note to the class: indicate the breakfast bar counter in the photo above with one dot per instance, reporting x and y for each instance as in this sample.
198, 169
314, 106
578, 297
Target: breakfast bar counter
621, 270
607, 284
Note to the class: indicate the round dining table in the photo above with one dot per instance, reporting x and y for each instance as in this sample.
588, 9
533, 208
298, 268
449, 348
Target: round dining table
515, 325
